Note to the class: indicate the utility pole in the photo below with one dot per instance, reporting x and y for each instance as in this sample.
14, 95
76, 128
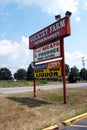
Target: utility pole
83, 62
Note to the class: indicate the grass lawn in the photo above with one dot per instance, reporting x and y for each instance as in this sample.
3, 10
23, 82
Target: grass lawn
22, 112
20, 83
11, 83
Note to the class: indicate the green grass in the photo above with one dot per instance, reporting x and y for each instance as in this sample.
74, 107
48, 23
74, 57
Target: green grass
11, 83
56, 98
19, 83
41, 82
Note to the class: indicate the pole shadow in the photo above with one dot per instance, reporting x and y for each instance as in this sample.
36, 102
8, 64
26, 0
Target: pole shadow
30, 102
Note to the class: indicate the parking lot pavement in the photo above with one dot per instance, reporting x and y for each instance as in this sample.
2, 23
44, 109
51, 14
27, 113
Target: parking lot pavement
81, 125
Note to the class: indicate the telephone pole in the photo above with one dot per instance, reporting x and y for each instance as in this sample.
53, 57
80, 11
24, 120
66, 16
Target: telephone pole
83, 62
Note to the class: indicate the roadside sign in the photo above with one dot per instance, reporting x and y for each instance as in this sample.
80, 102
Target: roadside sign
60, 28
48, 44
47, 52
48, 70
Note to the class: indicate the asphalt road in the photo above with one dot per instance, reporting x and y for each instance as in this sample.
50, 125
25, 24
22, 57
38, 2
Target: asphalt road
44, 87
81, 125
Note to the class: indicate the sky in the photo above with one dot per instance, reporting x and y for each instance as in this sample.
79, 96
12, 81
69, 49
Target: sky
21, 18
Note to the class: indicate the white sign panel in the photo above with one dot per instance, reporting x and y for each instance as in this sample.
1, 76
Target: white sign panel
47, 52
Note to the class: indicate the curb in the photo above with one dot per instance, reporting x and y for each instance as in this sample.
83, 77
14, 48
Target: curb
55, 127
75, 119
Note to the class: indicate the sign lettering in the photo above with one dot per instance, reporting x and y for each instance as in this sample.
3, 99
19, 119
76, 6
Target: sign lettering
56, 30
48, 70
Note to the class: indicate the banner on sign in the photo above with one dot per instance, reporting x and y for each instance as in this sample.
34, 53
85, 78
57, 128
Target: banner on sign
47, 52
48, 70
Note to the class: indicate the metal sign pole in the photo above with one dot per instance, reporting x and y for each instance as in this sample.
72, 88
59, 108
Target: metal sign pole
34, 87
63, 70
34, 90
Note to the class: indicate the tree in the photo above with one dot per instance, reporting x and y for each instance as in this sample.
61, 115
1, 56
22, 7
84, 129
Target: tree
67, 68
20, 74
30, 73
74, 75
5, 74
83, 74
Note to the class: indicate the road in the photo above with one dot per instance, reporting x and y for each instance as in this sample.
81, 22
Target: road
44, 87
81, 125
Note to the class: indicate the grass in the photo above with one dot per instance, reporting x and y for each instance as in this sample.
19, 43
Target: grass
11, 83
40, 82
19, 83
22, 83
22, 112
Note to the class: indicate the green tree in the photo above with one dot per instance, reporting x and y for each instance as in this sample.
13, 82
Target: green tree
74, 75
30, 73
20, 74
5, 74
83, 74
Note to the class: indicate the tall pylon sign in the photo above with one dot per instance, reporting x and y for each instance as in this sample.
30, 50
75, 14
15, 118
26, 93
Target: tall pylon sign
48, 44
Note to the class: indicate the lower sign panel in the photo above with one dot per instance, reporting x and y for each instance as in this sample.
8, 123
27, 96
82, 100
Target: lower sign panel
48, 71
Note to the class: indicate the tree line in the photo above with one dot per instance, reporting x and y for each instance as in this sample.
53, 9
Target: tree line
73, 74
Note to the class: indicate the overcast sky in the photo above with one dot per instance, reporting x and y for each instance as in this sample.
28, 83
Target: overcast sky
21, 18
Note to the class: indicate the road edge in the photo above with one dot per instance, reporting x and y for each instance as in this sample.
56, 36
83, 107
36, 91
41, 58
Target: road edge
75, 119
55, 127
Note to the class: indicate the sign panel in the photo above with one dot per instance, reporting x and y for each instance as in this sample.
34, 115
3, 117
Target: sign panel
47, 52
48, 70
56, 30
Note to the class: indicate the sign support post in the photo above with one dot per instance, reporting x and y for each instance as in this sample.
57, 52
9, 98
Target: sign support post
34, 87
63, 70
34, 78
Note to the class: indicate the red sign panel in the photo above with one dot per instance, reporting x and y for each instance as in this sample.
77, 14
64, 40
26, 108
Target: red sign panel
56, 30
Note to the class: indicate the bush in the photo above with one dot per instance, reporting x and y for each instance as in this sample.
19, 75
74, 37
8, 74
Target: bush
72, 79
